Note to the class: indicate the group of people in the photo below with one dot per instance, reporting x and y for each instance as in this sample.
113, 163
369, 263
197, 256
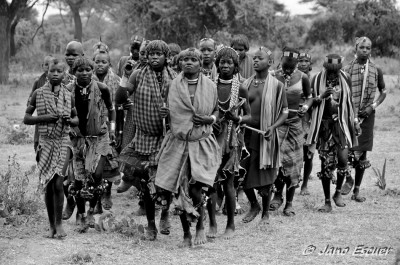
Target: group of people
193, 128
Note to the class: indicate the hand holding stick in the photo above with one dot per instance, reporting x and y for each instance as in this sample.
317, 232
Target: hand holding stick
263, 133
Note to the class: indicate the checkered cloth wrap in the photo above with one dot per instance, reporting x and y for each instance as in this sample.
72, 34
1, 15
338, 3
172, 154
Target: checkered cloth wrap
357, 79
148, 100
54, 140
291, 137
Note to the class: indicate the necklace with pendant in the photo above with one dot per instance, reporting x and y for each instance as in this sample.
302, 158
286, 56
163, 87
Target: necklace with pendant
257, 82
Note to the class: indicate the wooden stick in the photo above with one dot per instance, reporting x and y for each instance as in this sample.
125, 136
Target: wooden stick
254, 129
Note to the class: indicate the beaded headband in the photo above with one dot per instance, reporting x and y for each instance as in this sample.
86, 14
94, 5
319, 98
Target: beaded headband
227, 47
333, 60
303, 54
207, 39
262, 48
361, 39
290, 54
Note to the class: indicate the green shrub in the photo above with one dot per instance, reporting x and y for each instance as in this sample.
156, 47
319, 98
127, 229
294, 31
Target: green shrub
14, 190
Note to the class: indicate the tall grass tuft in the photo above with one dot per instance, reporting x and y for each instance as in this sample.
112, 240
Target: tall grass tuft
380, 177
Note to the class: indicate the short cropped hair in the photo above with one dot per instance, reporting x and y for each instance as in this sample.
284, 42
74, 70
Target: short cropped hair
228, 52
82, 61
241, 40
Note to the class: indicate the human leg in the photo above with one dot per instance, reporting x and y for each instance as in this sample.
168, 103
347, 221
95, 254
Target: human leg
80, 206
362, 164
49, 201
266, 194
97, 181
326, 186
342, 172
195, 192
211, 208
70, 205
187, 236
254, 205
308, 166
58, 197
288, 210
230, 204
277, 201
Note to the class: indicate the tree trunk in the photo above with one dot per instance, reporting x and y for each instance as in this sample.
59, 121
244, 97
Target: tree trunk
75, 6
78, 24
13, 49
4, 45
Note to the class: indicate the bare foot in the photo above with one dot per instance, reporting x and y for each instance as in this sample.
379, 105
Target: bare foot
60, 233
252, 213
151, 234
200, 237
289, 211
304, 191
326, 208
338, 199
69, 209
51, 233
229, 233
276, 202
81, 222
212, 231
165, 226
151, 231
264, 222
239, 209
187, 241
356, 197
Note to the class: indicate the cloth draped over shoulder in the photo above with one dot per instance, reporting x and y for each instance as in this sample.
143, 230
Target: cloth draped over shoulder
89, 148
362, 98
246, 69
111, 167
97, 116
231, 139
147, 102
54, 139
345, 114
188, 153
271, 108
112, 81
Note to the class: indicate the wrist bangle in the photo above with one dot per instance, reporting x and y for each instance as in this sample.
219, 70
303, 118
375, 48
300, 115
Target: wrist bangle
112, 126
240, 119
374, 105
214, 119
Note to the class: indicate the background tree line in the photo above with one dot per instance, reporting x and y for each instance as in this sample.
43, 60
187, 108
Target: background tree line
26, 35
